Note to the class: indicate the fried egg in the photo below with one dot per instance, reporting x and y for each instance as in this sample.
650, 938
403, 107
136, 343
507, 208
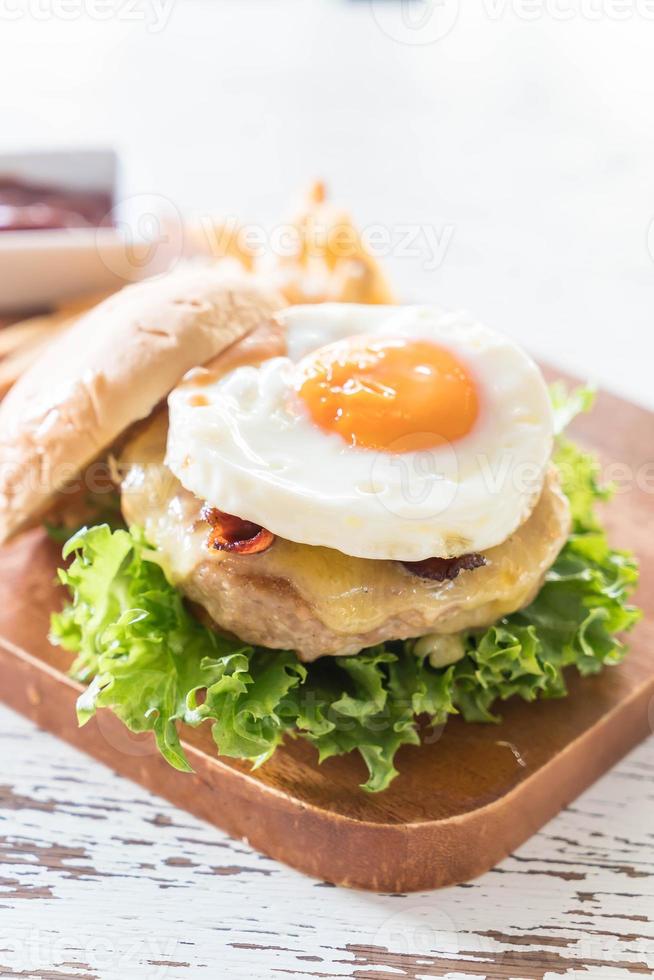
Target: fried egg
387, 432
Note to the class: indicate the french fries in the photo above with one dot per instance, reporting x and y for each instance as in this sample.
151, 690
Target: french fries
324, 260
21, 343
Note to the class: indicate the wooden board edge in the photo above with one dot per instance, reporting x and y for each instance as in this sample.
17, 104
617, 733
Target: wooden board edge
329, 846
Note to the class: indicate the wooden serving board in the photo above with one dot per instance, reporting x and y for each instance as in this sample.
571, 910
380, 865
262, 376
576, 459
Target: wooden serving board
462, 801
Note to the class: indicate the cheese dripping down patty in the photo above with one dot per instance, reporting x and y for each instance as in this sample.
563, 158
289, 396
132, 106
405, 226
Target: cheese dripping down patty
319, 601
387, 433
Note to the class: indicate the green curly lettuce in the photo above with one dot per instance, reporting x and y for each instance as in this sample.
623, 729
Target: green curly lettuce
144, 656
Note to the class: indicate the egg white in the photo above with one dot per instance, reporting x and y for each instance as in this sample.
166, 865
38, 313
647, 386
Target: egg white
252, 450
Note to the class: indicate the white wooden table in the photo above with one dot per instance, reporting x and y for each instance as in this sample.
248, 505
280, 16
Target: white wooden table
100, 879
526, 146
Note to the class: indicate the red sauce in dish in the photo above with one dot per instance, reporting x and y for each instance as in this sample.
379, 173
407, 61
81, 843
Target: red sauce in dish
26, 206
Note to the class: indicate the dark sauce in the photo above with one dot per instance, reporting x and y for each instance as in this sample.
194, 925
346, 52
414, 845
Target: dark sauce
26, 206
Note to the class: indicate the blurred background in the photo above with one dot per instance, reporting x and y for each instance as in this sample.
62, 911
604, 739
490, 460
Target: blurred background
501, 151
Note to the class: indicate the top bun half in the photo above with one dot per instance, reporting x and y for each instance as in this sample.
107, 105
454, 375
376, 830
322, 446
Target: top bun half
110, 370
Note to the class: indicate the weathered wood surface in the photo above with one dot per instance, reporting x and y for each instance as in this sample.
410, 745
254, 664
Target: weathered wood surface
98, 878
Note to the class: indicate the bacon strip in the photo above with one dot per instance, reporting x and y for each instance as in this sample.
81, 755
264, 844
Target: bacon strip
444, 569
230, 533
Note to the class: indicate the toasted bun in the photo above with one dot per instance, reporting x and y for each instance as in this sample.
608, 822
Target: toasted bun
107, 372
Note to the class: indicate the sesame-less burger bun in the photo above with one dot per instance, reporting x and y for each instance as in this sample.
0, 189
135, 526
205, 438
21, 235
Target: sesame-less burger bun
110, 370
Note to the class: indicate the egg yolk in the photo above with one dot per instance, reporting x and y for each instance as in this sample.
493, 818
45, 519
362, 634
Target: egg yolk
392, 394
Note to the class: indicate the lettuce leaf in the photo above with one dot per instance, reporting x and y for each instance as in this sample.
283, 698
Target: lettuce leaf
149, 660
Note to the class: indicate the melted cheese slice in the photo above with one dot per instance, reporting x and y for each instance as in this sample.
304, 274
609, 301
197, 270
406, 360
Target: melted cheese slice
348, 595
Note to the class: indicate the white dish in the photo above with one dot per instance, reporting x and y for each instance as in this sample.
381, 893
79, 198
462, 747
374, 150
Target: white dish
38, 268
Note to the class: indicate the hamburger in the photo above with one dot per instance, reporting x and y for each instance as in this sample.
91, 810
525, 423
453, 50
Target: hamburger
335, 521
